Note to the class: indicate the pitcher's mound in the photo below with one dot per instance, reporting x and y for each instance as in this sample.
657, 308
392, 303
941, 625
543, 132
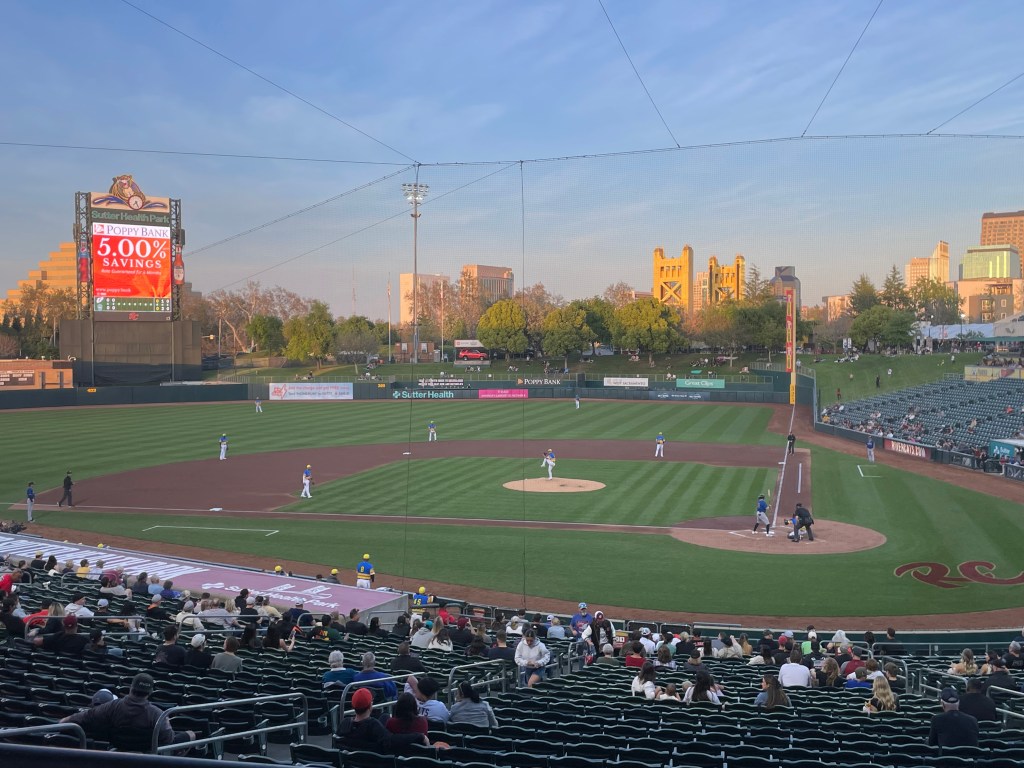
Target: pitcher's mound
558, 485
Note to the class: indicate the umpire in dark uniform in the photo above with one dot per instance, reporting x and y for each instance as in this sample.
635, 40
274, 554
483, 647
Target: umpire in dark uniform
67, 491
802, 519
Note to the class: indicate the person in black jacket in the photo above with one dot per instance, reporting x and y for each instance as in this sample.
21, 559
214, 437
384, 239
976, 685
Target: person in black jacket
367, 732
977, 703
405, 661
802, 519
952, 728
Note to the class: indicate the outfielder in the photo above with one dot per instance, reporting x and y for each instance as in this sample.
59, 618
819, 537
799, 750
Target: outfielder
259, 404
431, 432
659, 446
365, 573
761, 516
223, 446
307, 480
549, 462
871, 449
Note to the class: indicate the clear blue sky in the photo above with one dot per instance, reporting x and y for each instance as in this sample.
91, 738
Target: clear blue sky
483, 81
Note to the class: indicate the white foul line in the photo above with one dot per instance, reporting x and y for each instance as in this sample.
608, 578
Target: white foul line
268, 531
799, 476
859, 469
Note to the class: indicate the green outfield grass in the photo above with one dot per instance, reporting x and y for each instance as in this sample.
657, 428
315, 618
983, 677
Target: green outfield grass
635, 493
907, 371
923, 520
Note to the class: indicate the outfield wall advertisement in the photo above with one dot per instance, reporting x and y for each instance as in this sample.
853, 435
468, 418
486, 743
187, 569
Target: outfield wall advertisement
623, 381
700, 383
504, 394
908, 449
306, 391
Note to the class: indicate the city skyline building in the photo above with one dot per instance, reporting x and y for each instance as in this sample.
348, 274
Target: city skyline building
673, 279
785, 277
405, 285
990, 261
57, 271
1003, 229
493, 283
726, 281
934, 267
835, 306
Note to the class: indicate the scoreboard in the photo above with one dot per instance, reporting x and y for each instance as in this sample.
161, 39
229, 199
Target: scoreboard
131, 267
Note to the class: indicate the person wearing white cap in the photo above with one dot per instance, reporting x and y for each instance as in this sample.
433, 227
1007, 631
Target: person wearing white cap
307, 480
197, 656
645, 640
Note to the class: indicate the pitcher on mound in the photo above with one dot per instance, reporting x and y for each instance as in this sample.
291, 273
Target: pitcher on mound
549, 462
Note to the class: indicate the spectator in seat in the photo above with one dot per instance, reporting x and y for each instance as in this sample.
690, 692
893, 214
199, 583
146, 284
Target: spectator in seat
402, 627
370, 673
365, 732
976, 703
607, 655
477, 649
197, 656
406, 717
1014, 660
77, 607
15, 627
882, 698
274, 641
703, 690
404, 661
155, 610
375, 629
990, 656
860, 679
555, 629
354, 625
425, 690
470, 708
892, 674
170, 653
532, 658
325, 630
38, 619
461, 634
854, 662
441, 640
338, 676
952, 728
600, 631
793, 674
828, 676
634, 655
730, 649
643, 684
890, 646
226, 660
772, 694
501, 649
999, 678
128, 723
664, 660
68, 641
154, 587
422, 634
965, 666
141, 584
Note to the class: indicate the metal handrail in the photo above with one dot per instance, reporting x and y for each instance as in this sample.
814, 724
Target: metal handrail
502, 665
302, 723
72, 728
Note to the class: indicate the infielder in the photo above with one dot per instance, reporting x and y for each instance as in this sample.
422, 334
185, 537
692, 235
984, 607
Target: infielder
549, 462
223, 446
431, 432
259, 404
30, 500
307, 479
365, 573
761, 516
659, 446
871, 449
577, 401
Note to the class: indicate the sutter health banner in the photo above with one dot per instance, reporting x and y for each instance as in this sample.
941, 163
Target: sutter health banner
307, 391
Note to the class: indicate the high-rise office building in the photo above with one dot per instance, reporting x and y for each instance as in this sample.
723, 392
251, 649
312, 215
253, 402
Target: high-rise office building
785, 277
1004, 229
56, 272
493, 283
935, 267
405, 283
835, 306
990, 261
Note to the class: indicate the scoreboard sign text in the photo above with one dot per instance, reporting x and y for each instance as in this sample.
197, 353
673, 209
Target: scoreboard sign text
131, 267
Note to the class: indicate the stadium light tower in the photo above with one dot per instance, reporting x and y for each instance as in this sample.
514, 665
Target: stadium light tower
415, 193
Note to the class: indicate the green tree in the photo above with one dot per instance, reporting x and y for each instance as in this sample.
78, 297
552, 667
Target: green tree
311, 335
935, 302
503, 326
758, 289
267, 333
600, 318
565, 331
882, 325
894, 292
536, 302
762, 324
619, 294
647, 326
863, 296
717, 326
355, 339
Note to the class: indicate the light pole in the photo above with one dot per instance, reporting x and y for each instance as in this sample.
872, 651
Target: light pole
442, 315
415, 193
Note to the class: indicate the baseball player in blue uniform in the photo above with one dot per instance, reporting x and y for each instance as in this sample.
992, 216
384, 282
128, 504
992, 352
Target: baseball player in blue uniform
659, 446
761, 516
223, 446
307, 479
365, 573
431, 431
259, 404
30, 500
871, 449
549, 462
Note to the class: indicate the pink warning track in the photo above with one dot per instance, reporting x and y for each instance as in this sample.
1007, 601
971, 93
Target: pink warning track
264, 482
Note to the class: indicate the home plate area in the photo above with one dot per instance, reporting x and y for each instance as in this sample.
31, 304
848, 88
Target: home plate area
735, 534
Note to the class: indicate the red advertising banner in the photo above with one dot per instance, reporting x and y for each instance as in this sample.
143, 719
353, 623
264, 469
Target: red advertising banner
790, 295
504, 394
131, 267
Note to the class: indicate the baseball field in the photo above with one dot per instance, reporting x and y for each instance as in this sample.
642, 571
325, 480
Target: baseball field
900, 539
